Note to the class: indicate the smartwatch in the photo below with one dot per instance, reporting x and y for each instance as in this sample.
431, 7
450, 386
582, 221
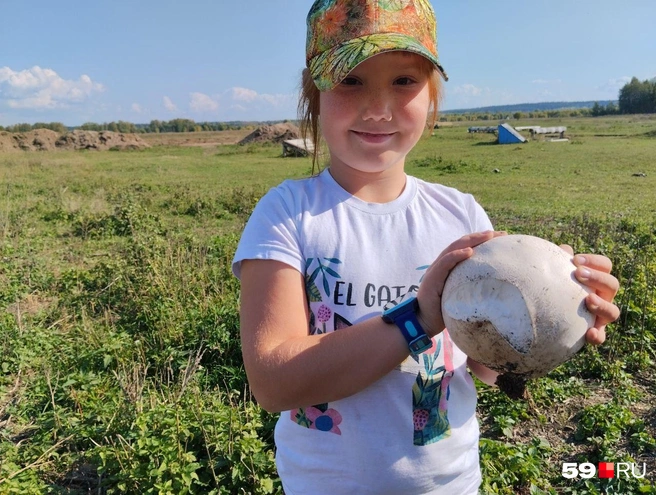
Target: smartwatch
404, 316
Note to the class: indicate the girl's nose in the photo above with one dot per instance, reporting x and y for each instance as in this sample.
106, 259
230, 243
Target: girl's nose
377, 107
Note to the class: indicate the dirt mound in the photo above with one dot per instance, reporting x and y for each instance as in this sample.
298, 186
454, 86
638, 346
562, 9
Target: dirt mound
47, 140
103, 140
6, 142
275, 133
38, 140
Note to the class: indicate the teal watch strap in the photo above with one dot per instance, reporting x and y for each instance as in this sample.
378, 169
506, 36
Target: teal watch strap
404, 316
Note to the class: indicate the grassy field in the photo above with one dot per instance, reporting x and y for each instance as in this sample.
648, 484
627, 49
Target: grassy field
120, 366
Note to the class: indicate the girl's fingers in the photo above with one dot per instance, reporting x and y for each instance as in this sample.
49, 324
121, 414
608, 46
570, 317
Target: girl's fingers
595, 336
593, 270
456, 252
594, 261
471, 240
567, 248
604, 311
604, 284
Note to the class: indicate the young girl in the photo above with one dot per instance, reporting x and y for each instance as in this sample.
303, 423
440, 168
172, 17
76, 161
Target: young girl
369, 404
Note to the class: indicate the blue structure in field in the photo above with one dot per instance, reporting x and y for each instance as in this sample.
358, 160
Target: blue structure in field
508, 135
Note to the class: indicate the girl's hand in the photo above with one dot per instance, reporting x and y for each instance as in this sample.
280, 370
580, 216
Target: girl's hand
593, 270
430, 290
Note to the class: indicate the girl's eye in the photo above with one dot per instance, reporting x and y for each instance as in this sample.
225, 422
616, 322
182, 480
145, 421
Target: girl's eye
404, 81
350, 81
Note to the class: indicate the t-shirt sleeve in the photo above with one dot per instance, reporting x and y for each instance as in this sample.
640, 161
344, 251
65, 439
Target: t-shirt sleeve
271, 233
479, 219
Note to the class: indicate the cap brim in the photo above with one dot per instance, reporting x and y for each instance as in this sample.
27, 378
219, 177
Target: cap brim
330, 67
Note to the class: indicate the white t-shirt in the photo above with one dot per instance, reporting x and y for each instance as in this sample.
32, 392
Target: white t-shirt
414, 431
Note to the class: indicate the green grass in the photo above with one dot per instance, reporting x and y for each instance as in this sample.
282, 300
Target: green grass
590, 173
120, 364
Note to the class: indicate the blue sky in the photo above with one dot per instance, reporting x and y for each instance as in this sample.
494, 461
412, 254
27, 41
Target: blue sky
77, 61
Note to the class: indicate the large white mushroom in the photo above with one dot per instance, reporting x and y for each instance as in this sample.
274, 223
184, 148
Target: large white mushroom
516, 307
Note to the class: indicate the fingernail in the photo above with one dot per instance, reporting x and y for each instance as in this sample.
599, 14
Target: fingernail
584, 273
580, 260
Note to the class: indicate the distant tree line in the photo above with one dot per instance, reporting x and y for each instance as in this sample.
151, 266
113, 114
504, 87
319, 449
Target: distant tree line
638, 97
532, 114
598, 110
187, 125
175, 125
635, 97
53, 126
120, 126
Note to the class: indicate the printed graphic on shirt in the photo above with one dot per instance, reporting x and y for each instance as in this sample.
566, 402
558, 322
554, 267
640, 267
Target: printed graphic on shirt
322, 274
326, 292
430, 393
319, 417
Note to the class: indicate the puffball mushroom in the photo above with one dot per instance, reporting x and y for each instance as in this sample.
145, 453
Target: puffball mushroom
516, 307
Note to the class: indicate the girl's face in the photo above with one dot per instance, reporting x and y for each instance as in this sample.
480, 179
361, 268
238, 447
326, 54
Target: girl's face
376, 115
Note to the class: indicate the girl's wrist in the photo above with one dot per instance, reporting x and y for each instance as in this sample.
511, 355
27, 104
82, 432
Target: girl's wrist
430, 331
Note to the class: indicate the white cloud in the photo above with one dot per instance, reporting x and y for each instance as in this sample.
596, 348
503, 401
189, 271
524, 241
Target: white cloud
136, 108
615, 84
277, 100
248, 98
471, 96
547, 81
611, 88
243, 94
467, 90
236, 103
169, 105
39, 88
201, 102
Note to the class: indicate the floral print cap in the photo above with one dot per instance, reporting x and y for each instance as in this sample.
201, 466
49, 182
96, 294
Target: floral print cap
343, 33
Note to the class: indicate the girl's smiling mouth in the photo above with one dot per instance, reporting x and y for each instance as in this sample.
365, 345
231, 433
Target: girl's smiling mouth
373, 137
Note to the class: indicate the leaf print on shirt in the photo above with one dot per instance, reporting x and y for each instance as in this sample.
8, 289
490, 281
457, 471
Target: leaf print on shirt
325, 271
313, 328
430, 393
423, 269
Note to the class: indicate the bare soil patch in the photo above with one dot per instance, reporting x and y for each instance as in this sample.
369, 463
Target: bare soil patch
47, 140
201, 139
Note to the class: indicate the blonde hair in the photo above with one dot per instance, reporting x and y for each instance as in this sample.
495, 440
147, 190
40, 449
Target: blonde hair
308, 107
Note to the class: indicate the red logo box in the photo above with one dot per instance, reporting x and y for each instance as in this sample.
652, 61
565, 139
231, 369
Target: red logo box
606, 470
